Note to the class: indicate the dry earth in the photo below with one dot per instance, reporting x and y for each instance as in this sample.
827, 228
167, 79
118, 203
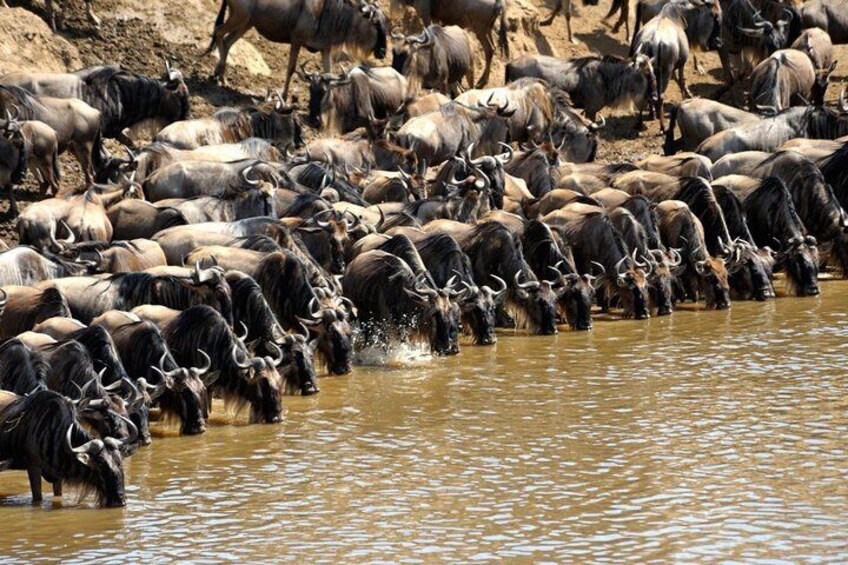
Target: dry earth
140, 34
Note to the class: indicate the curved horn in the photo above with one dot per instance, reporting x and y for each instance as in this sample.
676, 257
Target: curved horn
131, 428
618, 266
239, 364
277, 352
526, 285
244, 174
205, 368
502, 284
510, 153
93, 446
603, 269
601, 123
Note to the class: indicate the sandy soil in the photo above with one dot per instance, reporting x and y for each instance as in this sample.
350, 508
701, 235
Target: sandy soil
139, 34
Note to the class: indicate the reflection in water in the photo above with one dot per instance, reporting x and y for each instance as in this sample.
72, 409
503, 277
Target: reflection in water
688, 438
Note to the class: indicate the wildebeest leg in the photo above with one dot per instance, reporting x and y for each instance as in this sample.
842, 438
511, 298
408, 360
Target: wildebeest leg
724, 56
13, 205
698, 68
34, 474
295, 49
89, 11
488, 53
557, 9
326, 61
568, 21
51, 14
681, 81
83, 155
225, 37
57, 488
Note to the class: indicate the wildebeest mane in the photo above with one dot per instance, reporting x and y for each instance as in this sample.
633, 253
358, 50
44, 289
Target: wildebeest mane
299, 204
22, 370
836, 173
507, 257
28, 107
822, 122
71, 368
285, 284
698, 194
645, 214
256, 242
444, 257
251, 308
401, 246
773, 200
734, 214
200, 328
102, 351
541, 250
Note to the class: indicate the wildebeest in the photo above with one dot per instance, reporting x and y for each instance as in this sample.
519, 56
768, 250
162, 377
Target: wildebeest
667, 38
89, 297
243, 380
158, 155
703, 275
593, 82
768, 134
566, 6
14, 159
138, 219
816, 44
748, 37
56, 18
784, 79
829, 15
592, 238
23, 265
185, 179
28, 145
478, 16
77, 125
272, 120
818, 209
24, 307
395, 305
699, 118
180, 392
342, 103
124, 99
42, 435
22, 370
773, 221
252, 311
358, 27
438, 58
116, 256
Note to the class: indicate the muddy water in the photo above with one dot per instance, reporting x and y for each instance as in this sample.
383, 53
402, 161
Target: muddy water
700, 436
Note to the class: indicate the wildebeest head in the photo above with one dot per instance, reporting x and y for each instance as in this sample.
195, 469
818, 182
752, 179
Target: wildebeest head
478, 306
800, 258
13, 152
177, 106
771, 36
540, 301
576, 294
632, 281
750, 270
663, 267
297, 368
182, 392
492, 167
278, 121
714, 282
103, 459
439, 317
703, 22
212, 285
378, 19
330, 327
327, 235
259, 382
820, 86
575, 137
320, 85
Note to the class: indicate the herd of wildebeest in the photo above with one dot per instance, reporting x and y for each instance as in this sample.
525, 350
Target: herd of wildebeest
228, 258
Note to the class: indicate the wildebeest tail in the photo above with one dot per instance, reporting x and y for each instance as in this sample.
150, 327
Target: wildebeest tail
503, 40
668, 146
636, 26
219, 20
57, 174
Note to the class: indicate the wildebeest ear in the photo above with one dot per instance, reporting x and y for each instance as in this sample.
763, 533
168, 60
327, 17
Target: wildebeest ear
84, 459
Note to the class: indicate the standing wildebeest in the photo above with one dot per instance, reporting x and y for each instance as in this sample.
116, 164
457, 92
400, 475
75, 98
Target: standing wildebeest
319, 25
14, 159
438, 59
89, 297
768, 134
593, 239
252, 311
819, 210
180, 392
593, 82
243, 380
747, 37
785, 79
817, 45
829, 15
342, 103
28, 144
703, 274
478, 16
393, 304
77, 125
184, 179
124, 99
271, 120
41, 434
773, 220
750, 273
667, 38
24, 307
158, 155
699, 118
565, 5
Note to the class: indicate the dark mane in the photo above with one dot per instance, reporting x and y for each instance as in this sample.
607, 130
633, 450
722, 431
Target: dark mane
301, 203
102, 351
734, 214
285, 284
481, 242
836, 173
542, 251
401, 246
645, 214
27, 105
22, 370
773, 200
259, 242
71, 369
141, 345
698, 194
251, 308
822, 122
200, 328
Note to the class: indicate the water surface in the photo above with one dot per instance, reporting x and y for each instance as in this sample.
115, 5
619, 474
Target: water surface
700, 437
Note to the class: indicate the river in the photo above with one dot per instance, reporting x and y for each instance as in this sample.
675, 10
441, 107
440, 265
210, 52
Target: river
699, 437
